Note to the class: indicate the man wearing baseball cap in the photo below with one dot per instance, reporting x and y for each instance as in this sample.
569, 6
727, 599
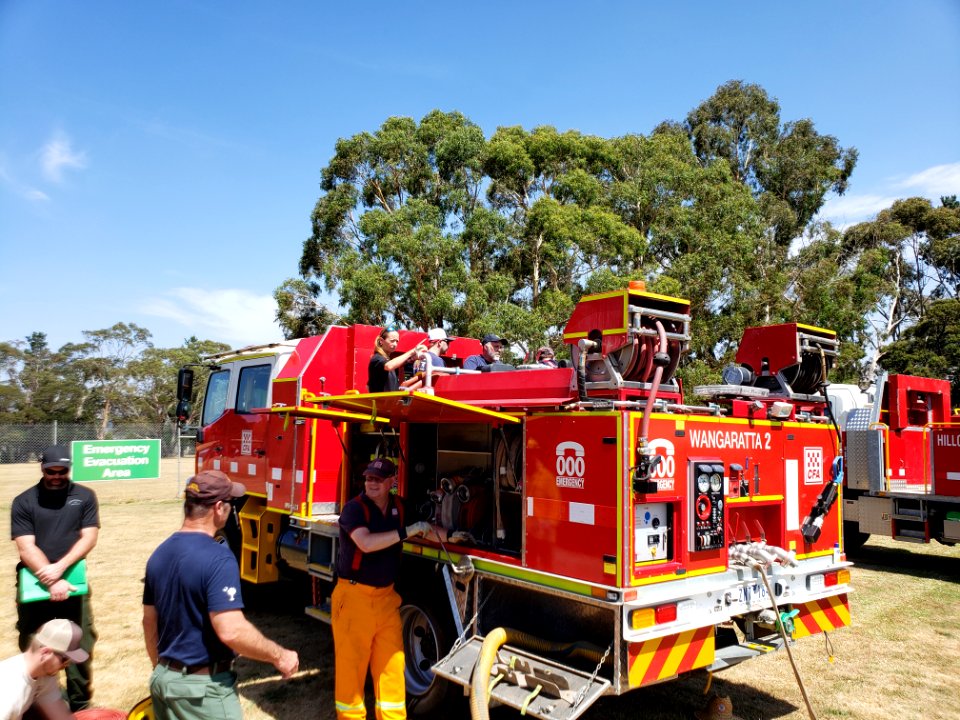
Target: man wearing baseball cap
365, 607
193, 621
29, 680
492, 347
55, 525
437, 344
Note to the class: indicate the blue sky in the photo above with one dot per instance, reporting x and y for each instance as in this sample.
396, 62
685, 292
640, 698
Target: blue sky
159, 160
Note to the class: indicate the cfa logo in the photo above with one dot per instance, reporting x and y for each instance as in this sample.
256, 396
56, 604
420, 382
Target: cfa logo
231, 593
571, 466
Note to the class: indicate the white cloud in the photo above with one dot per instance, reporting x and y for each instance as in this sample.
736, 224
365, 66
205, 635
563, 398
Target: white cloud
849, 209
932, 183
936, 181
236, 317
30, 193
58, 154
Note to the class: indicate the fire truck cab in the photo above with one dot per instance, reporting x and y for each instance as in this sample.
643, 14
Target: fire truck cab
623, 536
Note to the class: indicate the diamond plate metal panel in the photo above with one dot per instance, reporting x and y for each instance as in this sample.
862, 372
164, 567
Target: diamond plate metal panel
864, 461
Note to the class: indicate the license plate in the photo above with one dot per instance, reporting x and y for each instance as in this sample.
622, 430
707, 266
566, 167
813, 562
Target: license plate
753, 593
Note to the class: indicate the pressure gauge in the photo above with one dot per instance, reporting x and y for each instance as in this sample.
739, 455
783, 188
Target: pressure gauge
716, 482
703, 482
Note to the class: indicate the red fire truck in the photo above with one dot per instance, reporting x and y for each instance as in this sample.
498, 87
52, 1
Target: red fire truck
620, 536
902, 446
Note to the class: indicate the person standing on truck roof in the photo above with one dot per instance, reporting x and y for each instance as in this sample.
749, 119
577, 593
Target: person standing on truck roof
365, 608
193, 622
492, 347
382, 372
55, 525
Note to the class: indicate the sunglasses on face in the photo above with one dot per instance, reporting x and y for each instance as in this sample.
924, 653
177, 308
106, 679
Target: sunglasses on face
61, 471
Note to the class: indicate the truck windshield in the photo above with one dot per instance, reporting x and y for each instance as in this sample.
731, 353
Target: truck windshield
215, 401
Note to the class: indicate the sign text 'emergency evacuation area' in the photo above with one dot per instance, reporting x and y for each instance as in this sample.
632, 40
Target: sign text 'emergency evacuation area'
115, 460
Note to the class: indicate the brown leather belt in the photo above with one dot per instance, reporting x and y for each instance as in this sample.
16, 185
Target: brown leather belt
212, 669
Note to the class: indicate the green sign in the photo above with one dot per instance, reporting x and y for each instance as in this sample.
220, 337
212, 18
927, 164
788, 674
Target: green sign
115, 460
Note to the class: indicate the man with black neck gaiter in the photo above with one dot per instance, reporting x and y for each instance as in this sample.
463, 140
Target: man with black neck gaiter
55, 525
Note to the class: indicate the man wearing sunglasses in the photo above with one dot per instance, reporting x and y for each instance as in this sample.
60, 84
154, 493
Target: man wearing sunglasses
55, 525
29, 680
365, 607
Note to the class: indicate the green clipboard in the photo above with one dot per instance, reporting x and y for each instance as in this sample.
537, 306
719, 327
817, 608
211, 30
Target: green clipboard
32, 590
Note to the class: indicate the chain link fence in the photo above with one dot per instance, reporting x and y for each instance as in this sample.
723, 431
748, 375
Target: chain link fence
24, 443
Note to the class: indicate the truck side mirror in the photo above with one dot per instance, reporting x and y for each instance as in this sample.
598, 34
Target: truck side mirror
184, 386
183, 411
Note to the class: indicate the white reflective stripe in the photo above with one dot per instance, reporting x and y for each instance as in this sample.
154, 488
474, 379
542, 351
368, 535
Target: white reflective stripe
390, 705
791, 478
953, 476
275, 473
234, 467
299, 477
216, 464
347, 707
530, 506
581, 513
251, 469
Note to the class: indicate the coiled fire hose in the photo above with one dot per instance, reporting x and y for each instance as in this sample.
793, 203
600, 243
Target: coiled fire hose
495, 639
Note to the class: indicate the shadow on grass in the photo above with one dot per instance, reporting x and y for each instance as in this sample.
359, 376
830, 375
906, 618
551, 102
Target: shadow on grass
277, 610
906, 560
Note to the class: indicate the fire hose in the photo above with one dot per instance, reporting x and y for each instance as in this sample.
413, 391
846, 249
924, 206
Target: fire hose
495, 639
754, 555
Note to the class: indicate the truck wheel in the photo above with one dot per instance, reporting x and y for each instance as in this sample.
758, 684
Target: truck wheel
428, 635
853, 539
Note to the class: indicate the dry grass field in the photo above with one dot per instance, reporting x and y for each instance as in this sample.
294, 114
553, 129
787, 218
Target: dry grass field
901, 657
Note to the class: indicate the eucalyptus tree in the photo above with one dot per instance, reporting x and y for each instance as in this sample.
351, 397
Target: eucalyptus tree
394, 228
103, 361
153, 375
790, 167
911, 249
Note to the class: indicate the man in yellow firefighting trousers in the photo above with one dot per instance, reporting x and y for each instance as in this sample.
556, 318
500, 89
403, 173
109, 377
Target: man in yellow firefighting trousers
365, 607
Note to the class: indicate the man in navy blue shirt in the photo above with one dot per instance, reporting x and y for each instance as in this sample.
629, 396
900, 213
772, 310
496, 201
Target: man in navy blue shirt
367, 631
492, 347
193, 622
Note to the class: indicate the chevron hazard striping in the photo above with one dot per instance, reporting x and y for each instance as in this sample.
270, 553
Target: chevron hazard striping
662, 658
821, 616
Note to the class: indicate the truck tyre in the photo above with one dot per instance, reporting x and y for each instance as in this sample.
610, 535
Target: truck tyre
428, 635
853, 539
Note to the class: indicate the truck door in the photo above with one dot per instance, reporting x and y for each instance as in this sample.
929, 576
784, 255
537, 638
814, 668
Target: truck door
246, 441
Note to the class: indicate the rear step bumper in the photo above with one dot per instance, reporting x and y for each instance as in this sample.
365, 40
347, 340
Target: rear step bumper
563, 693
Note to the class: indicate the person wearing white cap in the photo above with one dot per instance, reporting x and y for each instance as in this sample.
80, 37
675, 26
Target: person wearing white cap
29, 680
55, 524
437, 343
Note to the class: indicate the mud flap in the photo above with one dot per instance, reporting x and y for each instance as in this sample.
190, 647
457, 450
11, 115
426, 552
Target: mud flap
541, 688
